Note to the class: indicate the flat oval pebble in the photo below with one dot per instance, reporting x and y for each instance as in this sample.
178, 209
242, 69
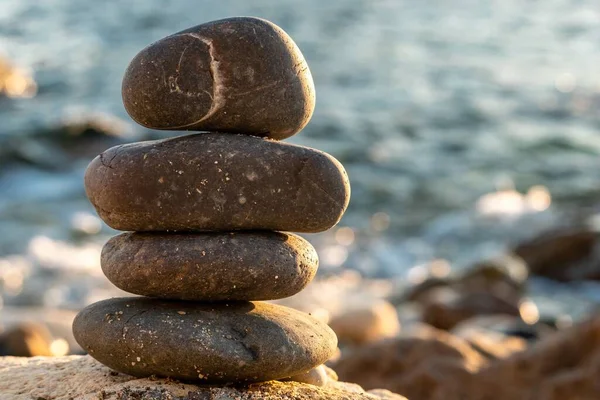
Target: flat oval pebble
215, 182
210, 266
213, 343
243, 75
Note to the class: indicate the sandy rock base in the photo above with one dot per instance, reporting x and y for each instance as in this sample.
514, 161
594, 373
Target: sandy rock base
83, 378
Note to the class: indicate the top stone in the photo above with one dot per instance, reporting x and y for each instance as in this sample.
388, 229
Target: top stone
240, 75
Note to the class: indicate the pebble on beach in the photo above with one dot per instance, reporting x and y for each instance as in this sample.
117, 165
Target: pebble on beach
208, 342
26, 340
374, 321
212, 181
318, 376
240, 75
210, 266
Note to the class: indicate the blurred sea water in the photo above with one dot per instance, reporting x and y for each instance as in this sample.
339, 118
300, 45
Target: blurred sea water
445, 114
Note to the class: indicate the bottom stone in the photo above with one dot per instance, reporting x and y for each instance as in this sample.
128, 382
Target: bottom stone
83, 378
208, 342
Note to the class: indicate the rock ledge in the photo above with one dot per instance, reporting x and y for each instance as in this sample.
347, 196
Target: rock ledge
83, 378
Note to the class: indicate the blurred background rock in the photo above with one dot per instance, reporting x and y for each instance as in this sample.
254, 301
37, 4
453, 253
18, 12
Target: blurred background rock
469, 130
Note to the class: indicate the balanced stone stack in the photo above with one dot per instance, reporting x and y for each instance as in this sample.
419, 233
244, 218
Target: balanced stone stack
207, 213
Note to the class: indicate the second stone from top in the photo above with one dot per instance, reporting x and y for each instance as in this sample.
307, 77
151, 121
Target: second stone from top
217, 182
240, 75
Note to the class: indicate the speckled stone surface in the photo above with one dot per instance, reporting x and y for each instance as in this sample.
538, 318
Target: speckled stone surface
243, 75
210, 266
213, 343
211, 181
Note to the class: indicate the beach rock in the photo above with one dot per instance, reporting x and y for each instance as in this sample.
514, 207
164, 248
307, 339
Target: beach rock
26, 340
385, 394
504, 276
242, 75
210, 266
435, 365
220, 182
492, 344
224, 342
375, 320
419, 292
418, 366
83, 378
445, 307
58, 146
506, 326
569, 255
561, 366
84, 135
51, 324
318, 376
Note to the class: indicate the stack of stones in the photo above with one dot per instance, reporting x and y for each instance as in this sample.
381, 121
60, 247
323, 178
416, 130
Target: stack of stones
207, 213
